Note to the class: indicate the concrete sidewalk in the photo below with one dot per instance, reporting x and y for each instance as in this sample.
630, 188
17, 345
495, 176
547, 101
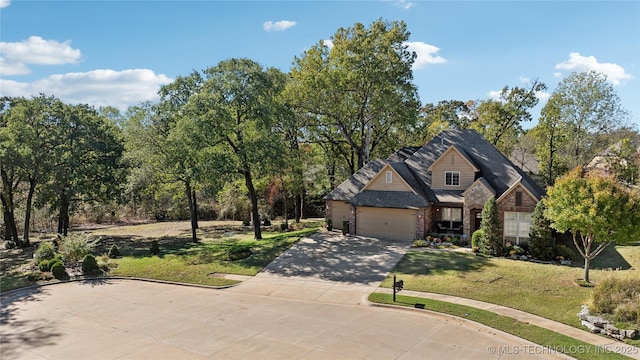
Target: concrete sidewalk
601, 341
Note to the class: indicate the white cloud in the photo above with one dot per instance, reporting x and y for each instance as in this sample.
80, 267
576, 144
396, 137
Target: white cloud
614, 72
542, 95
494, 95
36, 50
12, 68
4, 3
328, 43
404, 4
98, 87
278, 25
426, 54
15, 56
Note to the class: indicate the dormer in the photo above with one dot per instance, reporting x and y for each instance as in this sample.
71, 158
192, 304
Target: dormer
453, 170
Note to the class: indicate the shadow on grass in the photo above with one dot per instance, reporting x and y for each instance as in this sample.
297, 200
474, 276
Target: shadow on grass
609, 259
434, 262
260, 252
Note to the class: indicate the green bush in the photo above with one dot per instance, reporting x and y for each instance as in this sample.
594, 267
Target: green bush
475, 238
45, 251
155, 248
540, 236
89, 264
114, 252
75, 246
44, 266
562, 252
618, 297
284, 227
58, 270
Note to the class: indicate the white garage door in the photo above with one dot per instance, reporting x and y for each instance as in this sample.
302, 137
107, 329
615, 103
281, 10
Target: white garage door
397, 224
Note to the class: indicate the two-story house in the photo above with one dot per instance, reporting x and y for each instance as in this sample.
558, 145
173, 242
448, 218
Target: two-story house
440, 187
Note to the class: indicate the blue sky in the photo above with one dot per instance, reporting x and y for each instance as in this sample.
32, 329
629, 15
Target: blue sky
119, 52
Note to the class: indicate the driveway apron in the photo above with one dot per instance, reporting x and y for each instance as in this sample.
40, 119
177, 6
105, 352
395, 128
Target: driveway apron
328, 267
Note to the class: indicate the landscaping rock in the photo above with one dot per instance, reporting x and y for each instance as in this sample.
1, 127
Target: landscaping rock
594, 329
596, 324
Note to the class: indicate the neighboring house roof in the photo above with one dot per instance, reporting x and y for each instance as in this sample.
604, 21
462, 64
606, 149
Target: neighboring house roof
498, 173
603, 159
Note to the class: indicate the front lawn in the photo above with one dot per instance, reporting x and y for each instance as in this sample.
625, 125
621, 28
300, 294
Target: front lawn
223, 248
546, 290
204, 262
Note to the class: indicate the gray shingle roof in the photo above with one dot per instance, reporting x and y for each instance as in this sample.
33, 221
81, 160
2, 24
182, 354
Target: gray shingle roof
411, 164
350, 187
493, 165
389, 199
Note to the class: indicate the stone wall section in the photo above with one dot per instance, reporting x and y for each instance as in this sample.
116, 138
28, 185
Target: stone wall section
352, 220
420, 223
474, 199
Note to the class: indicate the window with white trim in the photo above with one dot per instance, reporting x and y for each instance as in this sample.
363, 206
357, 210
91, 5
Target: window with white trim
451, 217
516, 227
452, 178
389, 175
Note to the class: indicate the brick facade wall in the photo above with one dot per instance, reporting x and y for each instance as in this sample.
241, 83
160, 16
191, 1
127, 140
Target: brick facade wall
508, 203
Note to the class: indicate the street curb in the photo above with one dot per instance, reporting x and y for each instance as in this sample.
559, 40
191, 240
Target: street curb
14, 292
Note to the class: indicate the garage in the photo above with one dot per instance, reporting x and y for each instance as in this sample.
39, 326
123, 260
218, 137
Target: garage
340, 212
386, 223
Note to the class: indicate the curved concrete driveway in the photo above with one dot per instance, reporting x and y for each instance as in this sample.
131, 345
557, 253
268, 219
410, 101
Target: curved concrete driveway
126, 319
327, 267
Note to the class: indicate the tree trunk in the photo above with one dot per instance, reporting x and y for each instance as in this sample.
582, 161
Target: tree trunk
63, 215
11, 231
6, 196
298, 206
253, 197
195, 208
331, 172
27, 215
586, 268
192, 212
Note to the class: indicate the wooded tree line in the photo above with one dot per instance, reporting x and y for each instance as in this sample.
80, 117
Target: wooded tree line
248, 137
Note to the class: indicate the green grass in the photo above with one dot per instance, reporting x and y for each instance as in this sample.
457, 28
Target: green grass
547, 290
179, 260
533, 333
14, 281
196, 263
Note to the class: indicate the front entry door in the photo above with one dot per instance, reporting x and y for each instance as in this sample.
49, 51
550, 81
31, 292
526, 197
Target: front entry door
476, 216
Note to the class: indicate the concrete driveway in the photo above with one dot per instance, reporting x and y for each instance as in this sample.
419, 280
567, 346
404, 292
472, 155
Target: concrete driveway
327, 267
